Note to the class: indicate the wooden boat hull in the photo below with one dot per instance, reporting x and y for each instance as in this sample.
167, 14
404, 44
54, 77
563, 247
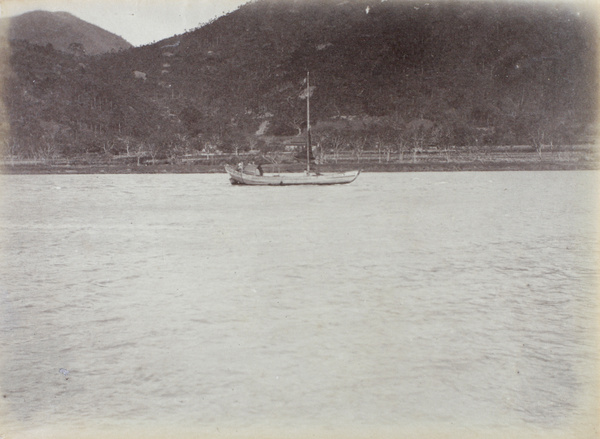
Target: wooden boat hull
292, 179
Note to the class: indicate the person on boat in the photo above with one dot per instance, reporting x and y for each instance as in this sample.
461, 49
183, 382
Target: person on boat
259, 169
240, 166
252, 169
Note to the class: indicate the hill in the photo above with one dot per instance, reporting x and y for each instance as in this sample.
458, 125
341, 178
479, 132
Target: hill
394, 75
64, 31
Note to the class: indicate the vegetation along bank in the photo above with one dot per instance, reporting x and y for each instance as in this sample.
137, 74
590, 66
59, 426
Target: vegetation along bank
395, 86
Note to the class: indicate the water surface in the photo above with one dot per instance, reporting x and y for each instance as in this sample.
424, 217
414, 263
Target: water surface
458, 304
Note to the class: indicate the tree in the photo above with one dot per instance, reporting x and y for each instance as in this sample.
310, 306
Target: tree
332, 142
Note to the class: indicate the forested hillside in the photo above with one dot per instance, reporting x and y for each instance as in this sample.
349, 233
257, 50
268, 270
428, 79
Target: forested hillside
389, 73
63, 31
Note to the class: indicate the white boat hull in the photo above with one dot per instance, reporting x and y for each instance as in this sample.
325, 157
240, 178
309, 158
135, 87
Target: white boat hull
291, 179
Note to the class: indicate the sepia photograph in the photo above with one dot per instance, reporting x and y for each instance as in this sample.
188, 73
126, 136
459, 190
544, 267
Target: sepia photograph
303, 219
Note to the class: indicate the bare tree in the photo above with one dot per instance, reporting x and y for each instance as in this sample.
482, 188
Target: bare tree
45, 151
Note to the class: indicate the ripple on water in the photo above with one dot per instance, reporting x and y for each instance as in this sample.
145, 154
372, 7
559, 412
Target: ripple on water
440, 299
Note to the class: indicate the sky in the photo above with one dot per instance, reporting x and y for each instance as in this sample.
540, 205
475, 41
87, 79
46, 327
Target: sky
138, 21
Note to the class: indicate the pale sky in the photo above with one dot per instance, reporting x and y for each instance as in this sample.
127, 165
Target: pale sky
138, 21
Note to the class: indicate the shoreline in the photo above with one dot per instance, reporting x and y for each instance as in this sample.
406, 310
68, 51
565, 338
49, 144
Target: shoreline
587, 162
513, 159
478, 166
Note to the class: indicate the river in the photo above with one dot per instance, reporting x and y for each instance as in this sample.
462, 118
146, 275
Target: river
401, 305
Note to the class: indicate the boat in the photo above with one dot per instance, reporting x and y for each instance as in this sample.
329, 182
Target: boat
288, 179
254, 176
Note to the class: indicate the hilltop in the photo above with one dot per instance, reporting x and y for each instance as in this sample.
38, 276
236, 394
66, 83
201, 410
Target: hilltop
64, 32
395, 75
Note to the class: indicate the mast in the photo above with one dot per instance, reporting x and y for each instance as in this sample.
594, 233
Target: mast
308, 147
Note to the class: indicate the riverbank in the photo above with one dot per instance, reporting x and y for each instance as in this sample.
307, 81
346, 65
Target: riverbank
581, 159
365, 167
